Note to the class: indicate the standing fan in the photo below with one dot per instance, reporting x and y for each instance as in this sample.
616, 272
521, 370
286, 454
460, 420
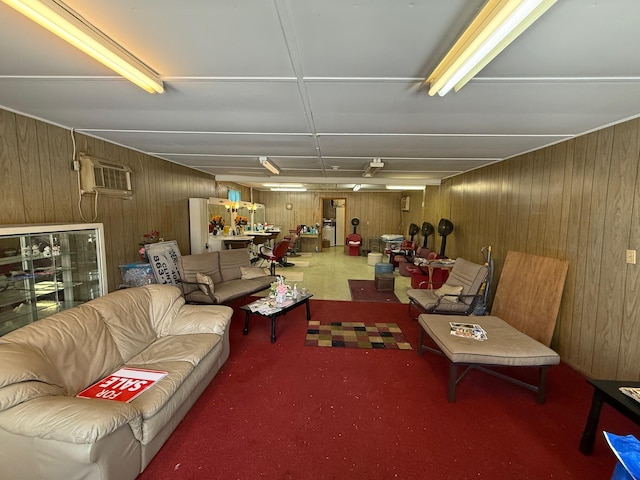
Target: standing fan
427, 229
445, 227
413, 230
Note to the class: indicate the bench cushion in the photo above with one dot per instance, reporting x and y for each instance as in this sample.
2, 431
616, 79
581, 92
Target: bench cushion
504, 346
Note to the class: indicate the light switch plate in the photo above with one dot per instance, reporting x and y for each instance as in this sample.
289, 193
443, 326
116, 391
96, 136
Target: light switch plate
631, 257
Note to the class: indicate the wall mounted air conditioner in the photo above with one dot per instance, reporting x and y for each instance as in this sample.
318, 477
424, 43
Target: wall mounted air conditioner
104, 177
404, 203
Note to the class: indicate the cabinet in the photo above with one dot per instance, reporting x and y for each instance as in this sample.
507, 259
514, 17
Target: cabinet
48, 268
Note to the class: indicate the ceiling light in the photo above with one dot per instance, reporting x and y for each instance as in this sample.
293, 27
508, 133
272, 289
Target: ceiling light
71, 27
269, 166
283, 185
375, 165
497, 24
288, 189
405, 187
357, 187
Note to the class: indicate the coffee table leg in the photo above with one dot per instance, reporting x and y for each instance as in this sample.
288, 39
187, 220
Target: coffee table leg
308, 311
589, 434
246, 323
273, 329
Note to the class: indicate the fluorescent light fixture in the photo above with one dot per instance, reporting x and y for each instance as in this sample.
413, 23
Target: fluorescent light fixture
59, 19
497, 24
373, 167
285, 185
269, 166
288, 189
357, 187
405, 187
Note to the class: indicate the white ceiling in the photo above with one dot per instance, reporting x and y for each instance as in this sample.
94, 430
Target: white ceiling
318, 84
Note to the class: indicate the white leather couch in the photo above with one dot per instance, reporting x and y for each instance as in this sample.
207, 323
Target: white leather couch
46, 432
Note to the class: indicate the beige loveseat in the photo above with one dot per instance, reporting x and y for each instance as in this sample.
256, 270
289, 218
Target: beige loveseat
218, 277
46, 432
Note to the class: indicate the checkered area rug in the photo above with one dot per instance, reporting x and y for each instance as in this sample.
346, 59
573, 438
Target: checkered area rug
356, 335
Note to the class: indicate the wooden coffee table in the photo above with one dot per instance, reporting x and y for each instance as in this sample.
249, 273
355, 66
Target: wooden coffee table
274, 313
606, 391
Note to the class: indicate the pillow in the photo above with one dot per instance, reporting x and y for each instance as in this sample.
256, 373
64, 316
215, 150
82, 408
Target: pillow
448, 290
252, 272
206, 280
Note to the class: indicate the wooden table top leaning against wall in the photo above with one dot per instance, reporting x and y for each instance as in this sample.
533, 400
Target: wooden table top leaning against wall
267, 307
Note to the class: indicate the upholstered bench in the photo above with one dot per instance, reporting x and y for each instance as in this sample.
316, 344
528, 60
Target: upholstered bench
505, 347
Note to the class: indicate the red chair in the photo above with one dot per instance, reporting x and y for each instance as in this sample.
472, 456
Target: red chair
405, 264
275, 255
354, 242
406, 249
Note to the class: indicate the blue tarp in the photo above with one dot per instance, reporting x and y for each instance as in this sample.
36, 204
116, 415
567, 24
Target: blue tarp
627, 450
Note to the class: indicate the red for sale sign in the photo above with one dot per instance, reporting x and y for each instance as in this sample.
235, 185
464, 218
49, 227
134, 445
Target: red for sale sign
123, 385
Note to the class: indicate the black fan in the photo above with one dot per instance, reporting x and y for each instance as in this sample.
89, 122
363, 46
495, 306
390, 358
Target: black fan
445, 227
413, 230
355, 221
427, 229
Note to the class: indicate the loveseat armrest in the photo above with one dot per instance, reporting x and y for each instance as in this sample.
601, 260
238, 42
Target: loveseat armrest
206, 286
200, 319
70, 419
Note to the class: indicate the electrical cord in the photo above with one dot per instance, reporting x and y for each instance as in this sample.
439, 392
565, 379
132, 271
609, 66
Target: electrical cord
95, 202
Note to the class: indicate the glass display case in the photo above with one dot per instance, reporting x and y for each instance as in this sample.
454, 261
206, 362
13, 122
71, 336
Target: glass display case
48, 268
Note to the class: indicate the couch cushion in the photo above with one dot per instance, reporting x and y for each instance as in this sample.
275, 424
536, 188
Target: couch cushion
166, 303
247, 273
468, 274
206, 263
127, 314
200, 319
176, 348
70, 419
205, 281
231, 261
448, 293
70, 349
504, 345
231, 289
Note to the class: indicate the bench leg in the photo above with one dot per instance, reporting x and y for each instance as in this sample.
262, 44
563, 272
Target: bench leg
542, 386
453, 379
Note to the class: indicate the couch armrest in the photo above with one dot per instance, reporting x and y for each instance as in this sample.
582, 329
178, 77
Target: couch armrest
70, 419
200, 319
209, 293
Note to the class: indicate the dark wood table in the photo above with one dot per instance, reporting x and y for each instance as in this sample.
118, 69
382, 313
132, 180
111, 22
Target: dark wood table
606, 391
301, 300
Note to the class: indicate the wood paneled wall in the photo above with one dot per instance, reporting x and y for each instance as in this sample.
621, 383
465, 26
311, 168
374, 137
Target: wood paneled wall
379, 213
580, 201
39, 186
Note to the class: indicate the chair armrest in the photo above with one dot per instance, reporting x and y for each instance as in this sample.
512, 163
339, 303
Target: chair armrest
470, 306
264, 247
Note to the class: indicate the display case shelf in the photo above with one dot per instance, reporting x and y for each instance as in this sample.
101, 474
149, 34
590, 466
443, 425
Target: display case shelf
48, 268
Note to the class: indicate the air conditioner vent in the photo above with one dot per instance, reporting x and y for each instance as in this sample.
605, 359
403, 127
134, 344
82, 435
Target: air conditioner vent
104, 177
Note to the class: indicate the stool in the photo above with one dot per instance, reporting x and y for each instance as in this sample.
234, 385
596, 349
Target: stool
385, 282
383, 268
374, 258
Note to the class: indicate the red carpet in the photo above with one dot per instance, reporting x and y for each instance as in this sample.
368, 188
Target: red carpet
365, 291
286, 411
